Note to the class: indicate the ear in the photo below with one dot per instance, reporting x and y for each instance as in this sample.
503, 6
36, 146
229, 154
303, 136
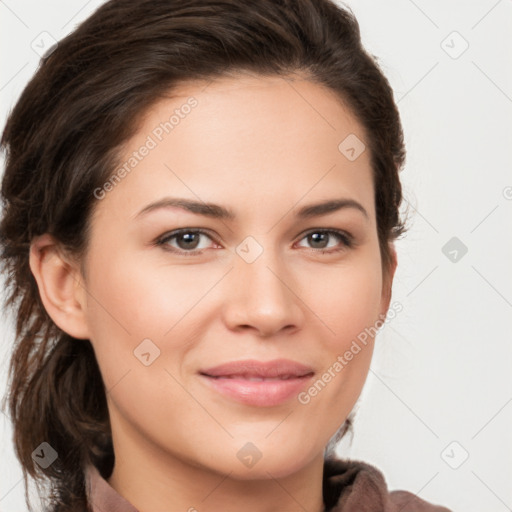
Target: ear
387, 281
60, 286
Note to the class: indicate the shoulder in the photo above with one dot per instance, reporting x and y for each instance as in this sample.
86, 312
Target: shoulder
355, 486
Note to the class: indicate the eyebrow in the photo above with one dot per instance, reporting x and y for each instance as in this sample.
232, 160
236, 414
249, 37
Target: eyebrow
216, 211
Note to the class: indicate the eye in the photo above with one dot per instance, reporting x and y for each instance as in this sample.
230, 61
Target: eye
187, 240
319, 238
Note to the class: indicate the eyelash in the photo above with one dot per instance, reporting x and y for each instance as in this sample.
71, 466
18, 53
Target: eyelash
345, 238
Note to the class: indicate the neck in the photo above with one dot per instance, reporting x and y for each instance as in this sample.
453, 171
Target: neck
152, 480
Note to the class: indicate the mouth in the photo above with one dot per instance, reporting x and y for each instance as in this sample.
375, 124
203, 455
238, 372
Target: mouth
260, 384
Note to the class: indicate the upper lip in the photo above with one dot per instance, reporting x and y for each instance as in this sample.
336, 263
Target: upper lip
253, 368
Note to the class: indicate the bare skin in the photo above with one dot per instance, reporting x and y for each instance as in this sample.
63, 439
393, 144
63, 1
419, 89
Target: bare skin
264, 148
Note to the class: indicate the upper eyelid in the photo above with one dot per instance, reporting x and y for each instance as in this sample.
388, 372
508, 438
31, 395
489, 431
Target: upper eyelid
177, 232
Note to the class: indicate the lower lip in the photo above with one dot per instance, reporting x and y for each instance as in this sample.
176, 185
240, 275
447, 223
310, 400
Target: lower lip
265, 393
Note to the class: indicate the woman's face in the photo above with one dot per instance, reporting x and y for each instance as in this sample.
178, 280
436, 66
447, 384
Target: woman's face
264, 284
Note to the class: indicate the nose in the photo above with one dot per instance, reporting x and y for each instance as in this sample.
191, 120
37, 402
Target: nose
263, 296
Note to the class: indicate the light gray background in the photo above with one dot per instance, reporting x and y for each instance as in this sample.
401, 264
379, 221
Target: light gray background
440, 386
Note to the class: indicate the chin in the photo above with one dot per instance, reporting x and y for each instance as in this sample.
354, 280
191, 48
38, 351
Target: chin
250, 463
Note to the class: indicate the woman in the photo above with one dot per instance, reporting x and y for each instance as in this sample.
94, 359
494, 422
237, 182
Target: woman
148, 375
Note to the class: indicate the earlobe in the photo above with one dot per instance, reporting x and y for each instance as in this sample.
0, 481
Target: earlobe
60, 286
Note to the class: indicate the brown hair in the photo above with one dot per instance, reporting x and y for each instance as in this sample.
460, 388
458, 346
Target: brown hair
62, 141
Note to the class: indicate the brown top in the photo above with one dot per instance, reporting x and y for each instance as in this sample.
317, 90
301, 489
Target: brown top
348, 486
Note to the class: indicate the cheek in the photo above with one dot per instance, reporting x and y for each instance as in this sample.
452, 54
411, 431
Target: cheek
349, 311
348, 299
137, 299
125, 306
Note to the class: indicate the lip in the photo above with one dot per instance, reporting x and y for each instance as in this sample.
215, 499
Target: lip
280, 379
254, 368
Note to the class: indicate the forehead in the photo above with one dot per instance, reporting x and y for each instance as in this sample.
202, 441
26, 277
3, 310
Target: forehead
251, 140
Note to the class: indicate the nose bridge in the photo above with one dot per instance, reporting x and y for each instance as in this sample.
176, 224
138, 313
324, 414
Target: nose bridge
262, 290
